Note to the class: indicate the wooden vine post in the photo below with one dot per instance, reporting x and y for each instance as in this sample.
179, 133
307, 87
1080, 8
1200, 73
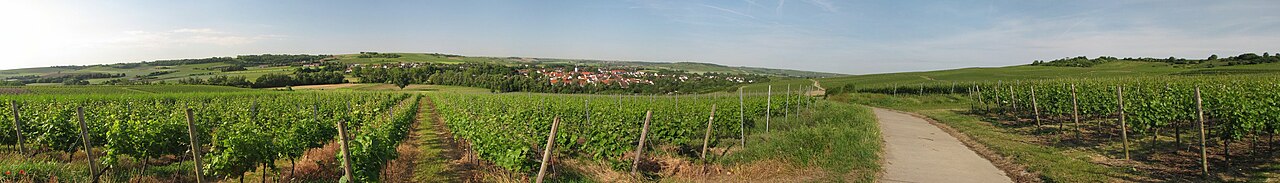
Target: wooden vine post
346, 151
1013, 102
995, 91
953, 88
195, 147
980, 100
1075, 111
1204, 153
742, 120
1035, 106
786, 104
706, 139
17, 127
1124, 126
546, 152
768, 103
84, 137
895, 89
586, 108
644, 133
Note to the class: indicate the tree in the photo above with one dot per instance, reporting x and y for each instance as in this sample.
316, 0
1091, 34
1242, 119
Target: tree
401, 78
273, 80
1213, 57
233, 68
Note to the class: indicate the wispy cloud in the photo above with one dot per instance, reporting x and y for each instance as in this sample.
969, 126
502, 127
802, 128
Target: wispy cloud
826, 5
184, 37
779, 8
729, 11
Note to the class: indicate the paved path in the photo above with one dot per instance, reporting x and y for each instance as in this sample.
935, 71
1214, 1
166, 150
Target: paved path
916, 151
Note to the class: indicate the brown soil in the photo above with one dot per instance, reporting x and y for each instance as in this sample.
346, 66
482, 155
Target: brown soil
316, 164
678, 170
664, 167
401, 168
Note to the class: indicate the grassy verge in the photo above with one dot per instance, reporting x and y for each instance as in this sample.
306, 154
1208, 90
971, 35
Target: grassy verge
841, 139
1052, 163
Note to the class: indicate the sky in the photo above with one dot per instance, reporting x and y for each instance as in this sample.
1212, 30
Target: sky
851, 37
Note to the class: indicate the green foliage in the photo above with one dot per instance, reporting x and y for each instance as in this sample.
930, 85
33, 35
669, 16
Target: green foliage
838, 137
375, 143
239, 132
275, 60
377, 55
1081, 61
273, 80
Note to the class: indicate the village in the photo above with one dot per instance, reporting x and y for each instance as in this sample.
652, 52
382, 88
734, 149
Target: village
582, 76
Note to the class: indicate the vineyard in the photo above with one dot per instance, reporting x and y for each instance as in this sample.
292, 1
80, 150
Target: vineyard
239, 133
235, 133
508, 129
1210, 120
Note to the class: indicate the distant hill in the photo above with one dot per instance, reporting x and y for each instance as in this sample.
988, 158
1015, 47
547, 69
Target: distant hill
171, 70
1075, 67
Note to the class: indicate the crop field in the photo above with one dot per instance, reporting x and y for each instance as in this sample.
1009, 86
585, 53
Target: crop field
141, 133
600, 127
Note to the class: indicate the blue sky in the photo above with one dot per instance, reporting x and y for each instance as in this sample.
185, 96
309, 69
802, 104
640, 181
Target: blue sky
854, 37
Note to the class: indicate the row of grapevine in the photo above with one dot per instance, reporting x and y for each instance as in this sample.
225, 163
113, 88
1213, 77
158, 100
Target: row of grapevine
1234, 107
238, 132
507, 129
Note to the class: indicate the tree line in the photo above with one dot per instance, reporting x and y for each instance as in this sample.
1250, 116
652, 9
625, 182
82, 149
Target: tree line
301, 76
502, 78
1082, 61
69, 78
